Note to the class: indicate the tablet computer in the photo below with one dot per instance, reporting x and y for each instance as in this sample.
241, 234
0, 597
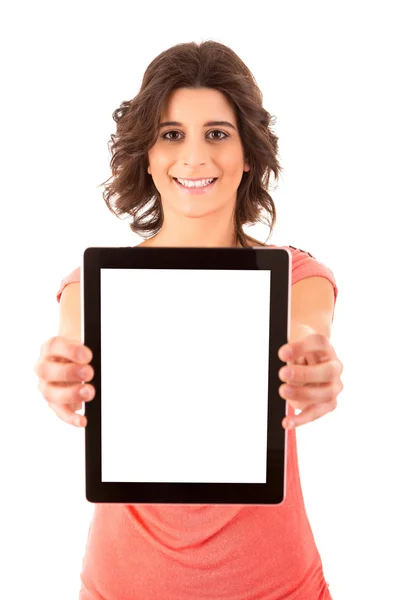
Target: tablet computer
185, 354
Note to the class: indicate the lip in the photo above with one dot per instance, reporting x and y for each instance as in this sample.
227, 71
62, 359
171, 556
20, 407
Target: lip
195, 178
193, 190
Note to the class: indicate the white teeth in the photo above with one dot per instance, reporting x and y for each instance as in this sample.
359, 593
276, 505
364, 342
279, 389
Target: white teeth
199, 183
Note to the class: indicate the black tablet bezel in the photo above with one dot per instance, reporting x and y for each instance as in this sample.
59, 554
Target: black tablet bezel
278, 262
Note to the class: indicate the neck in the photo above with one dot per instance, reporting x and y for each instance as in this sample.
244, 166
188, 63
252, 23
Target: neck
192, 241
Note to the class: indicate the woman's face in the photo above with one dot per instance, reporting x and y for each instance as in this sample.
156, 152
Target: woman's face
194, 147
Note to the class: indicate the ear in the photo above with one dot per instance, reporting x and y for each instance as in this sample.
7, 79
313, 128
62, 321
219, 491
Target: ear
246, 167
149, 170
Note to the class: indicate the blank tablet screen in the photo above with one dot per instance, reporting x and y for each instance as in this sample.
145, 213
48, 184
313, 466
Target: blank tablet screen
184, 375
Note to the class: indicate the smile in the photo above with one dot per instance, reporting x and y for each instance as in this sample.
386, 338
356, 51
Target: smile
195, 187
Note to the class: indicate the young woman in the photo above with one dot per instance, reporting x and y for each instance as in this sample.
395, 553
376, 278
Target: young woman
191, 162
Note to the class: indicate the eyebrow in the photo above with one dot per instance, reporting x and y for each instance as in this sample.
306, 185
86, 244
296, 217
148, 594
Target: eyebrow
208, 124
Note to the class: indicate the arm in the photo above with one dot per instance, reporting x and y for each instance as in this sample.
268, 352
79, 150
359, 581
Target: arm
311, 306
70, 312
313, 359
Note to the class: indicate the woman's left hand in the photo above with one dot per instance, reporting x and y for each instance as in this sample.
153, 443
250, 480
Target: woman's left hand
313, 383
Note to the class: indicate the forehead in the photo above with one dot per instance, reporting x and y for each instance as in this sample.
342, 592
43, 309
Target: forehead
185, 104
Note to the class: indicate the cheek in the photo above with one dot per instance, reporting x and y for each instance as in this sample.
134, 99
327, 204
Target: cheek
232, 163
159, 163
233, 173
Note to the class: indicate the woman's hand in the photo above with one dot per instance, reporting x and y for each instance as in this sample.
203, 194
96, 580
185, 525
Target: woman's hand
313, 383
63, 368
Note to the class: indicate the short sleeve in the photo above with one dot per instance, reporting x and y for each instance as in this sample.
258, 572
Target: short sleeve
73, 277
306, 265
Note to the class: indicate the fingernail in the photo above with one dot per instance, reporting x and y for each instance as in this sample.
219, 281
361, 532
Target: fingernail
83, 356
83, 373
85, 392
286, 353
287, 373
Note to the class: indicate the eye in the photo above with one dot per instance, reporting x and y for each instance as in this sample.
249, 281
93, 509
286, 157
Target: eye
163, 136
218, 131
167, 139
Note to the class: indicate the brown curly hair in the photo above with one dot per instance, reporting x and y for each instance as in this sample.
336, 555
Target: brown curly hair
191, 65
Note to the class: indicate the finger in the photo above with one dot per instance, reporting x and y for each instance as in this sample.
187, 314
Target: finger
63, 373
325, 392
320, 373
309, 414
317, 343
62, 347
65, 395
68, 416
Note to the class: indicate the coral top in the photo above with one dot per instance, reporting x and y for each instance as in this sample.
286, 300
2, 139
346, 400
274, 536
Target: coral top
165, 552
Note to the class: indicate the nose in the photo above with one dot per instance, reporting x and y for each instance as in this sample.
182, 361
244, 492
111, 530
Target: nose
194, 164
194, 153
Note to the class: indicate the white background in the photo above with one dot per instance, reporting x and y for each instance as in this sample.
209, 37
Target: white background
328, 72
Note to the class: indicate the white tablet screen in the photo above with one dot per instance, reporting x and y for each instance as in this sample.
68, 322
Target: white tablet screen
184, 375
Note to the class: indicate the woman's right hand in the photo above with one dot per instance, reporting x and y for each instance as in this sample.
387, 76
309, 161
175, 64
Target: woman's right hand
60, 378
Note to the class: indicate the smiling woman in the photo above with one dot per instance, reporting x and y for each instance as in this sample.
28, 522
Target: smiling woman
198, 115
191, 161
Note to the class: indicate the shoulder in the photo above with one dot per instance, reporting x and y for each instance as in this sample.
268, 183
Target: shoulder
305, 265
297, 253
73, 277
299, 257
